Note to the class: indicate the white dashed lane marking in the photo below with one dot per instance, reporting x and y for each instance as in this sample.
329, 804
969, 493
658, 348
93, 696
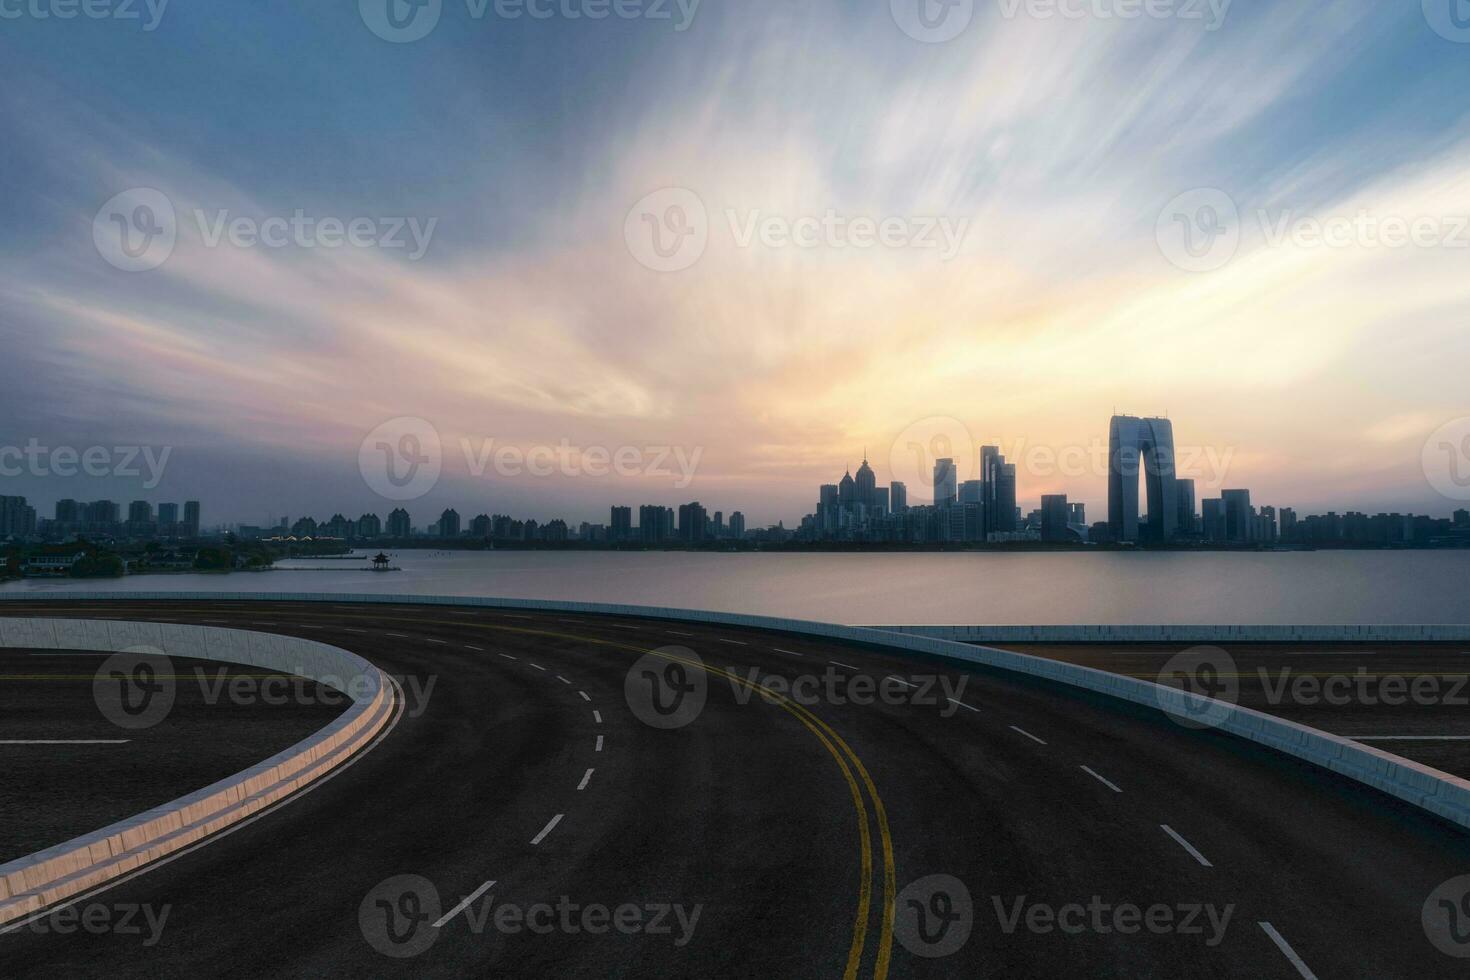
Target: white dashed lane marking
1028, 735
538, 667
838, 663
1287, 951
584, 696
1102, 779
962, 704
599, 743
469, 899
547, 829
586, 778
1186, 845
791, 653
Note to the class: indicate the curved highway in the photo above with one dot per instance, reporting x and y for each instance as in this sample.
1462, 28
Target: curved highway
614, 797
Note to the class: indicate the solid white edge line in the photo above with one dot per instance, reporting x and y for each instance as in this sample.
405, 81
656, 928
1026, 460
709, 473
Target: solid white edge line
547, 829
1287, 951
586, 778
1186, 845
464, 904
1101, 778
64, 741
1407, 738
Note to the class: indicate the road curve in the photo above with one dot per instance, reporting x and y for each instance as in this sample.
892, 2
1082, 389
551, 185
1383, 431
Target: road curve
770, 836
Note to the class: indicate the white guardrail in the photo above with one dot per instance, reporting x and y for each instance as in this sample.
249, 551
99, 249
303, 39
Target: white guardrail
1429, 789
33, 882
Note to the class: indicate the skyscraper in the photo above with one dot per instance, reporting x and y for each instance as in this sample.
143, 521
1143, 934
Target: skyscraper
864, 484
620, 528
1142, 445
737, 525
1184, 497
400, 525
1004, 520
449, 524
1239, 516
693, 522
1055, 516
898, 497
191, 519
944, 482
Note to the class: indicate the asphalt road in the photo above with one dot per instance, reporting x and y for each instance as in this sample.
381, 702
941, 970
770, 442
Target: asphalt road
1411, 699
757, 839
70, 767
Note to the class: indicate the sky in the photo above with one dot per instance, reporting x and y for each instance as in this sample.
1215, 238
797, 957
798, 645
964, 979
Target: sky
720, 250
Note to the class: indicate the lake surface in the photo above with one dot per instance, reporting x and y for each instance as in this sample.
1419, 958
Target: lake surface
1294, 588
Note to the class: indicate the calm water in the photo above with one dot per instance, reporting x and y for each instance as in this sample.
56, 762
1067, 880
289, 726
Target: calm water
1292, 588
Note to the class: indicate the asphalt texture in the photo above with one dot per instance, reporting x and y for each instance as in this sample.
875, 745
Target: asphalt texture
70, 768
765, 836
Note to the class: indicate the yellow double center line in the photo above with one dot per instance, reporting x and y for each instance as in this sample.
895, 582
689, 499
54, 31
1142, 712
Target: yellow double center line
847, 761
840, 751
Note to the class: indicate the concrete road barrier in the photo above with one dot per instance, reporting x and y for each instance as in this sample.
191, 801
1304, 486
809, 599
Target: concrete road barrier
33, 882
1429, 789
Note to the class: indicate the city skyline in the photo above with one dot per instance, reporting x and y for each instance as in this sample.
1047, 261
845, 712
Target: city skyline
1026, 495
528, 320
